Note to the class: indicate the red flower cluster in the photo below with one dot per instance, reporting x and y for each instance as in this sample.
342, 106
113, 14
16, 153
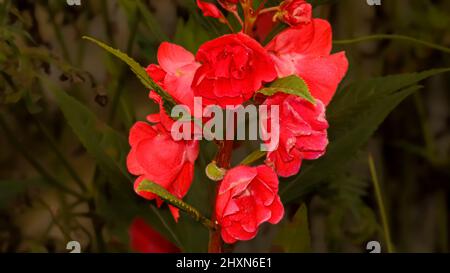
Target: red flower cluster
229, 70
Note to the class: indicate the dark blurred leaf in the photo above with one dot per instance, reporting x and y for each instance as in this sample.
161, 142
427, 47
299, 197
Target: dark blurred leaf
108, 147
316, 3
354, 114
349, 223
118, 203
190, 35
151, 22
11, 189
294, 236
140, 72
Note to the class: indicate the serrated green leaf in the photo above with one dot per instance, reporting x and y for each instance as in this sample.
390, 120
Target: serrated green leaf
294, 236
154, 188
354, 115
292, 85
139, 71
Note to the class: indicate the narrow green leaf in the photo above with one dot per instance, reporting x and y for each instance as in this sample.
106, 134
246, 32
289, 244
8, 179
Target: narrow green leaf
151, 22
254, 156
107, 146
190, 34
138, 70
294, 236
354, 115
149, 186
292, 85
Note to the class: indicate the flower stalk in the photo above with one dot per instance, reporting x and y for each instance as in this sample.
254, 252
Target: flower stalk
223, 159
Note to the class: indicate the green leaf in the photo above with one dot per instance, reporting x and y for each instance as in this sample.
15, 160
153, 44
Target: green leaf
108, 147
354, 115
149, 186
139, 71
109, 150
292, 85
191, 34
253, 157
294, 236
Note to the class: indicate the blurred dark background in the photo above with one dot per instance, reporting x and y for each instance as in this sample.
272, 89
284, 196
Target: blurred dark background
39, 152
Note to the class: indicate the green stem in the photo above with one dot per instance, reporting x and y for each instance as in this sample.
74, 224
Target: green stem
223, 159
427, 135
107, 23
166, 226
380, 203
97, 225
55, 219
59, 35
391, 37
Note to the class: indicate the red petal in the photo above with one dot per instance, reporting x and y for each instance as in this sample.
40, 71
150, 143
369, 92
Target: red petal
314, 70
172, 57
277, 211
209, 10
144, 239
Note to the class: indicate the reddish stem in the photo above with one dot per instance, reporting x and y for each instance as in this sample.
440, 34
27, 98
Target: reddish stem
249, 16
223, 159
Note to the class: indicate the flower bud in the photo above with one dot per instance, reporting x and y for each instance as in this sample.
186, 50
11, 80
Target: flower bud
295, 12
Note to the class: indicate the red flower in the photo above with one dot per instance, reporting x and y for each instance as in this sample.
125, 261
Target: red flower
305, 51
210, 10
157, 157
295, 12
175, 72
144, 239
247, 197
302, 131
233, 67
